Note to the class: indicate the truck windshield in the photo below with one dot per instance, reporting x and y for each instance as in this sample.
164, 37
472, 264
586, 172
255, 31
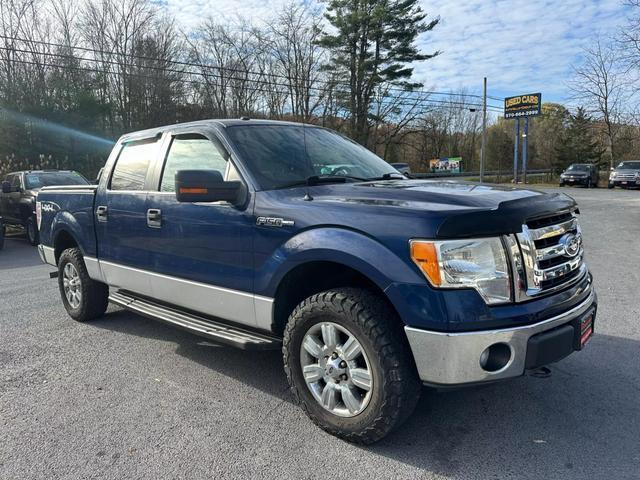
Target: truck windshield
581, 168
45, 179
281, 155
629, 165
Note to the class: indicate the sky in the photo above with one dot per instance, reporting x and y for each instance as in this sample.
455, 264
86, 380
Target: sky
521, 46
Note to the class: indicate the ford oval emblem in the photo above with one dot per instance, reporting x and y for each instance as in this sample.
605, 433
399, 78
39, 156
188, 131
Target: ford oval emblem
571, 244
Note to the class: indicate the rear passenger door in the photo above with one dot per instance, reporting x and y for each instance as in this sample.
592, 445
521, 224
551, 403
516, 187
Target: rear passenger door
120, 214
202, 251
13, 198
4, 200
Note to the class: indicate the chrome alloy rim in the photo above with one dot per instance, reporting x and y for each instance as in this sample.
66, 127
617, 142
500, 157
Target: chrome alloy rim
336, 369
71, 283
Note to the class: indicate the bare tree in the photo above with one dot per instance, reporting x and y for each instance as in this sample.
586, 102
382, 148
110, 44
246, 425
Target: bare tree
598, 86
293, 42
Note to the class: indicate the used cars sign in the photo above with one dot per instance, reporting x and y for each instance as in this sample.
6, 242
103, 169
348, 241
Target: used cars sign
527, 105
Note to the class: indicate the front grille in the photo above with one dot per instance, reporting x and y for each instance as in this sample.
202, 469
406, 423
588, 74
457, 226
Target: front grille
625, 176
552, 253
546, 221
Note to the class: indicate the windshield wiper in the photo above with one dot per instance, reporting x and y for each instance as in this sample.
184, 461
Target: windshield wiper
388, 176
318, 179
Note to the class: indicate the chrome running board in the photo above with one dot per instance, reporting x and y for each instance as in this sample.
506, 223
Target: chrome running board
218, 332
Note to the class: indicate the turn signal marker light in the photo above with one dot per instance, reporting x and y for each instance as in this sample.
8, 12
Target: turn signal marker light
425, 255
193, 190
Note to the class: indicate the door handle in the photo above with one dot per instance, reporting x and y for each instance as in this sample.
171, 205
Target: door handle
101, 213
154, 218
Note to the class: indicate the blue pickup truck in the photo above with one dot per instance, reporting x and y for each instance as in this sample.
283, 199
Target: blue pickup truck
276, 235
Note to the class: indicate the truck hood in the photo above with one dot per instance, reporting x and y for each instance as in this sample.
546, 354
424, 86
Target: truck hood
425, 194
460, 209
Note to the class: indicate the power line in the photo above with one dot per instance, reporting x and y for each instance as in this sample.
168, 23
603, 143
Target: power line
215, 67
408, 102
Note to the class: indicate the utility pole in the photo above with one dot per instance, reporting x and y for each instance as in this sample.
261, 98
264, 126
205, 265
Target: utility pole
483, 148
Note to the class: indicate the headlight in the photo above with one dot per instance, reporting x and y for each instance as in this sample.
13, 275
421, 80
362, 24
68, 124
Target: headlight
562, 175
479, 263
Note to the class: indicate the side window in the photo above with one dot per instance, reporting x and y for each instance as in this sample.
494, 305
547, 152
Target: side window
16, 183
132, 164
192, 152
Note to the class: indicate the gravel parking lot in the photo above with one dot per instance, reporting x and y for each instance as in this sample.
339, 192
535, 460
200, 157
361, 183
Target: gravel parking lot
126, 397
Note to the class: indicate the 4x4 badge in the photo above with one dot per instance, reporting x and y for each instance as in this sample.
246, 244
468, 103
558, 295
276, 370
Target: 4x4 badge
274, 222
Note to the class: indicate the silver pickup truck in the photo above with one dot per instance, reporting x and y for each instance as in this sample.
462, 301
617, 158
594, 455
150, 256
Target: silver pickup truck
626, 174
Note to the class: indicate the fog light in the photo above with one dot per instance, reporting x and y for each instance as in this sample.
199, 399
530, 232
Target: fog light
495, 357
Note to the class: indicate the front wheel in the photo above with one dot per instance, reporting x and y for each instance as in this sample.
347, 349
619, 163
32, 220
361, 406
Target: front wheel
32, 231
610, 186
83, 298
348, 364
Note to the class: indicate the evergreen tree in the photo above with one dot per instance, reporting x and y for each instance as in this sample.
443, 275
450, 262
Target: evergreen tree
373, 43
578, 144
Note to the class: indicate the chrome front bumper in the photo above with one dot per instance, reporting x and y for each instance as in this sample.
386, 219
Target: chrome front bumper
449, 359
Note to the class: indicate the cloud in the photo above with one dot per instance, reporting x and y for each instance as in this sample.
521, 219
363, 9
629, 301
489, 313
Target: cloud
520, 45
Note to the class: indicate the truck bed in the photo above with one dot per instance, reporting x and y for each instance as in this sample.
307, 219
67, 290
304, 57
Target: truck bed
67, 210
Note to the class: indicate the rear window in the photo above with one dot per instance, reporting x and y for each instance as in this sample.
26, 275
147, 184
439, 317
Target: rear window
131, 167
46, 179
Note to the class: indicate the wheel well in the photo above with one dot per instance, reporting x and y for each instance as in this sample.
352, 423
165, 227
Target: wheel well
313, 277
63, 241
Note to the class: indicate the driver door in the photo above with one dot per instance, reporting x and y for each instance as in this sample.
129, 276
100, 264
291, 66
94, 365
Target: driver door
202, 251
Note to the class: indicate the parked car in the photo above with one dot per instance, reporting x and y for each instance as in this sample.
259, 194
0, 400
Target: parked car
401, 167
626, 174
370, 283
585, 174
19, 191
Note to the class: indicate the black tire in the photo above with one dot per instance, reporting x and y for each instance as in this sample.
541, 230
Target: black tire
396, 386
589, 184
94, 295
610, 186
32, 231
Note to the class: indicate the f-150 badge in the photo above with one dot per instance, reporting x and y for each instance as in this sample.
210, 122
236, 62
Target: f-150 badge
274, 222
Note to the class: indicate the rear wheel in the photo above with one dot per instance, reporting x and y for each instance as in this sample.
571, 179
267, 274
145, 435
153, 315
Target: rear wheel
83, 298
349, 365
32, 231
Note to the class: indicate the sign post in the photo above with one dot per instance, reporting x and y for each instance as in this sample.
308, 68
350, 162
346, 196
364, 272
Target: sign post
525, 135
528, 105
516, 155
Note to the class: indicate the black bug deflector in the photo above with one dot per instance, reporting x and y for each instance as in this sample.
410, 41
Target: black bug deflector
507, 218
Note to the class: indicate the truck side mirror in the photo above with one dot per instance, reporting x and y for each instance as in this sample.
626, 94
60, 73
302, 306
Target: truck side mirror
207, 186
6, 187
